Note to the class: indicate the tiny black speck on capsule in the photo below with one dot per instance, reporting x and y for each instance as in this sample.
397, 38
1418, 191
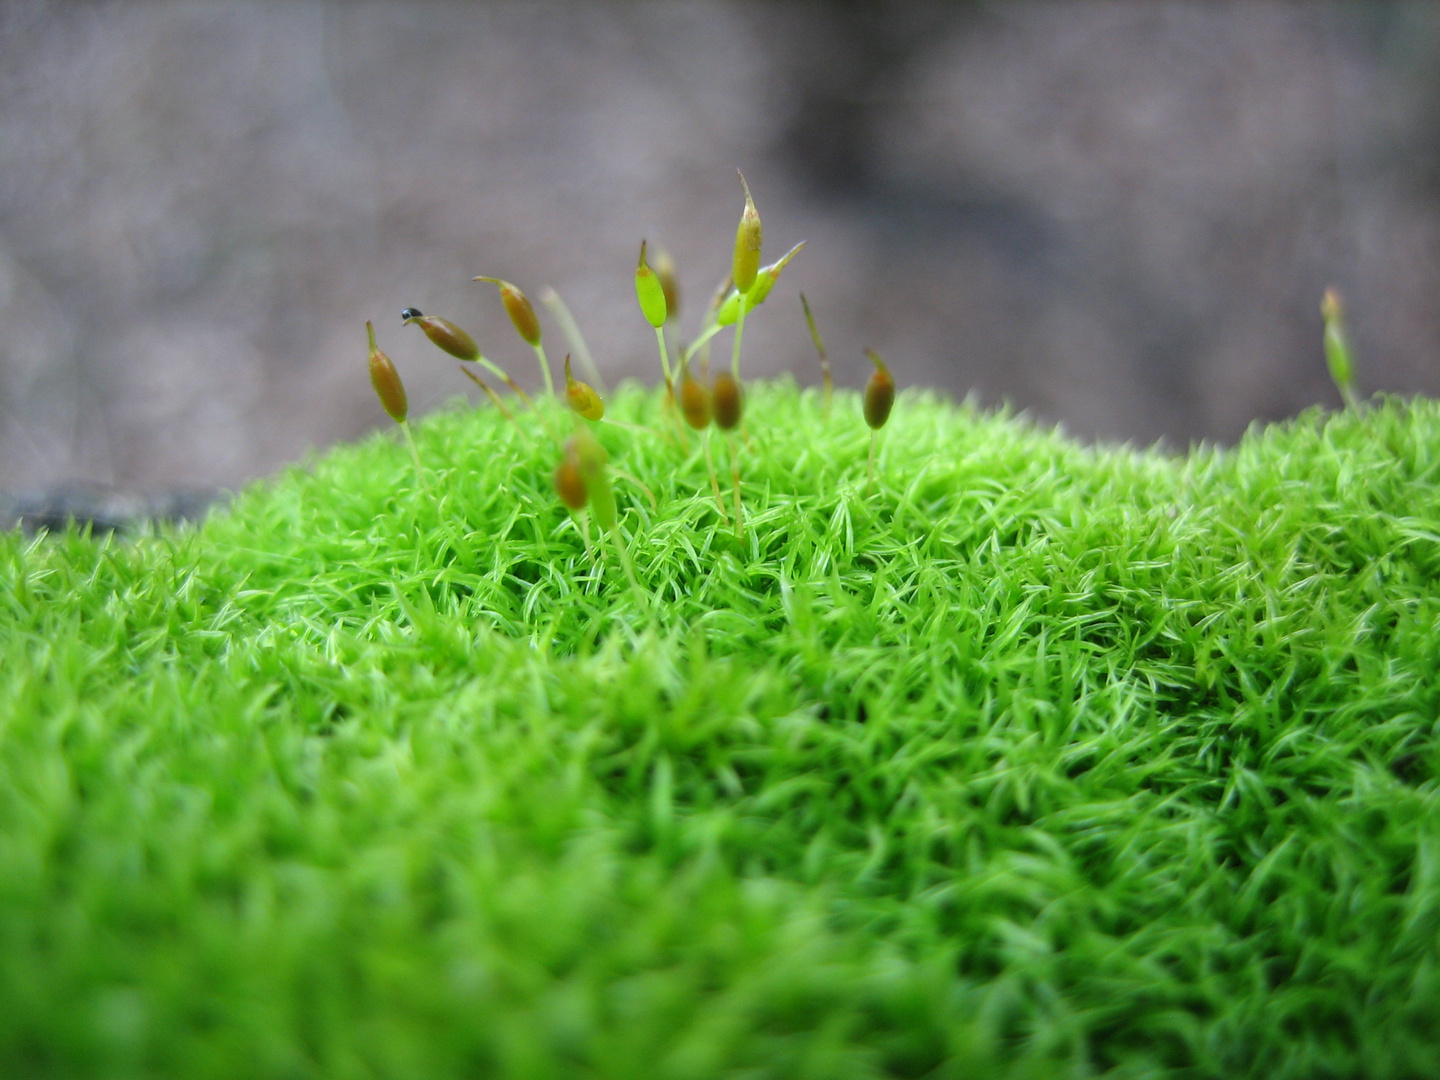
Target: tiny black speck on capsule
411, 313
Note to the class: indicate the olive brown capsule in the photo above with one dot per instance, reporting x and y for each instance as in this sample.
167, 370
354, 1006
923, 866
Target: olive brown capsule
728, 401
519, 308
527, 325
391, 392
386, 380
748, 237
569, 484
879, 393
694, 400
580, 397
443, 333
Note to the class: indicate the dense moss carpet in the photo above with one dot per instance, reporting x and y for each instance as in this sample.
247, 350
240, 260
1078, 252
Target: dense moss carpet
1036, 760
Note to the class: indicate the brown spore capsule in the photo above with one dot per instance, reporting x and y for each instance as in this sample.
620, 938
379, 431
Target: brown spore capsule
519, 308
444, 333
879, 393
569, 484
728, 401
694, 401
386, 380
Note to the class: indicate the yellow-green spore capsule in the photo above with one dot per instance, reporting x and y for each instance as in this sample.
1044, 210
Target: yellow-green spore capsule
591, 459
728, 401
443, 333
764, 282
581, 397
1337, 346
879, 393
650, 292
748, 237
665, 270
519, 308
569, 484
694, 401
386, 380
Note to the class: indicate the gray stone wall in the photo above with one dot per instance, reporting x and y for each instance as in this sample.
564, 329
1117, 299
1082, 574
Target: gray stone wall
1119, 216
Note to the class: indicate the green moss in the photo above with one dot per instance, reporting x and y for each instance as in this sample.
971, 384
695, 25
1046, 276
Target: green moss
1038, 760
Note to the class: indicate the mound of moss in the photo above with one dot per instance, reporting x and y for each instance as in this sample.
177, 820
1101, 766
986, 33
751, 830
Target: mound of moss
1034, 760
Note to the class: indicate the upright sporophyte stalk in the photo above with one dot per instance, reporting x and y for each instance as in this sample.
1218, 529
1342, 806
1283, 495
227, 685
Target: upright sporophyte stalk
560, 311
878, 401
745, 266
1337, 346
728, 401
391, 392
498, 403
829, 383
526, 322
655, 306
589, 460
695, 407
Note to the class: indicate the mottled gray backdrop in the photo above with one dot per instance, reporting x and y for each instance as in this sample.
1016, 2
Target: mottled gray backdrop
1119, 216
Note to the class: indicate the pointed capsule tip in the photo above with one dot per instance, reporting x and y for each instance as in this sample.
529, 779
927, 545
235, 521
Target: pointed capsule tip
642, 254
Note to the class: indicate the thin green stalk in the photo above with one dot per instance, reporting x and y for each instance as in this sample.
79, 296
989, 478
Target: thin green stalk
739, 333
544, 368
711, 329
714, 478
414, 454
571, 329
664, 358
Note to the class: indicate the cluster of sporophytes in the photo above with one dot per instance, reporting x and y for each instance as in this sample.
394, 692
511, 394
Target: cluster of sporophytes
694, 401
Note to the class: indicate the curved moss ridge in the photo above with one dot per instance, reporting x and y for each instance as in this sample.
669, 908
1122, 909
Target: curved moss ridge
1039, 761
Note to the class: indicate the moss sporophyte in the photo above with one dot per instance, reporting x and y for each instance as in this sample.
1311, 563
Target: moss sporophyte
581, 477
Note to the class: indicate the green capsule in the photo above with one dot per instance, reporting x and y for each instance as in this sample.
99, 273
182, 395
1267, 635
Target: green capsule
386, 381
748, 237
665, 270
1337, 345
764, 281
879, 393
650, 291
443, 333
590, 459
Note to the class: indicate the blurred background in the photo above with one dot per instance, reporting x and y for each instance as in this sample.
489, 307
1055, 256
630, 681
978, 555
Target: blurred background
1118, 216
